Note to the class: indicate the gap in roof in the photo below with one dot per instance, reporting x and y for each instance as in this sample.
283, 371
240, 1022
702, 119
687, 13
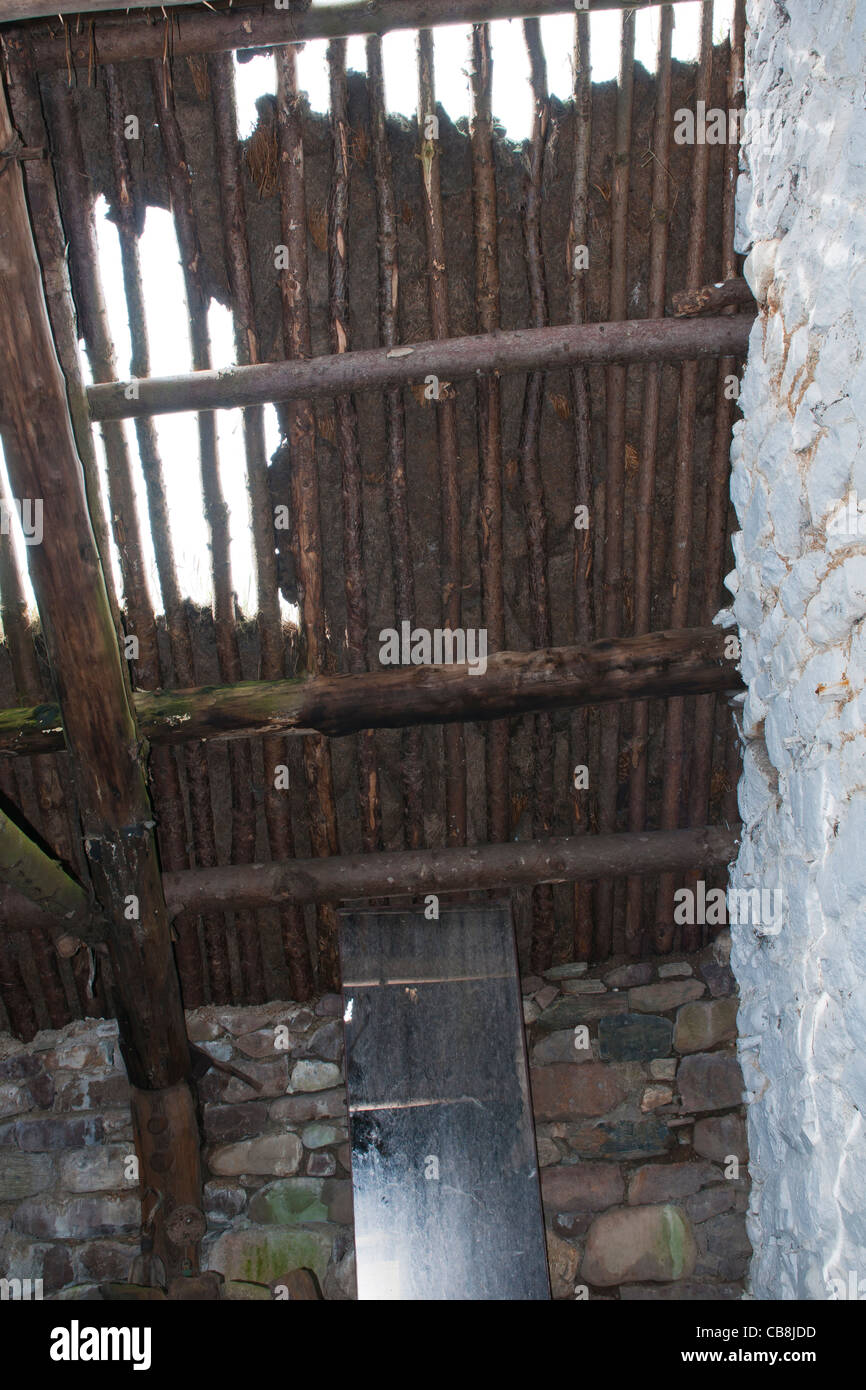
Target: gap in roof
510, 62
168, 335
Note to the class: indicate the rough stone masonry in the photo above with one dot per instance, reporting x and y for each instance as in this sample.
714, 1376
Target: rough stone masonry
799, 473
637, 1099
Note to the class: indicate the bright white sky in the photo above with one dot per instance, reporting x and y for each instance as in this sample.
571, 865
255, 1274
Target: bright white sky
163, 282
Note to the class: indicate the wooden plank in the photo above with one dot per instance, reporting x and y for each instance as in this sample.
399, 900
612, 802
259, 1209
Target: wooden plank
444, 1169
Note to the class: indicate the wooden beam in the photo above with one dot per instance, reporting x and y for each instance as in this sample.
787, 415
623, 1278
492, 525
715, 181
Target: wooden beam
655, 666
709, 299
99, 724
398, 873
119, 39
452, 359
19, 913
26, 867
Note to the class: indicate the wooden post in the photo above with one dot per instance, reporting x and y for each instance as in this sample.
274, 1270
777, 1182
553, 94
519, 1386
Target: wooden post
98, 720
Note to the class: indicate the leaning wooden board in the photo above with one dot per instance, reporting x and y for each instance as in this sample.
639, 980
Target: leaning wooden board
444, 1169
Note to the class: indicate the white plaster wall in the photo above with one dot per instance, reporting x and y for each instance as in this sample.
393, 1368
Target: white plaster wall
800, 603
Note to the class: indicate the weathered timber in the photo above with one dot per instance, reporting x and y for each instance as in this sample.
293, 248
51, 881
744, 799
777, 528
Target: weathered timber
657, 665
446, 421
411, 872
709, 299
298, 425
27, 868
645, 502
19, 913
399, 526
614, 478
51, 248
77, 207
268, 619
167, 1142
487, 308
684, 486
578, 237
347, 434
453, 359
98, 720
57, 812
532, 482
121, 39
13, 991
213, 502
128, 212
395, 872
718, 478
77, 203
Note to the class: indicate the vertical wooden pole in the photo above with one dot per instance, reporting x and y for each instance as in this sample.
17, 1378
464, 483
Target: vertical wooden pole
718, 481
347, 436
684, 472
446, 420
217, 519
643, 520
99, 725
79, 222
399, 528
487, 308
614, 506
543, 928
270, 627
298, 424
578, 239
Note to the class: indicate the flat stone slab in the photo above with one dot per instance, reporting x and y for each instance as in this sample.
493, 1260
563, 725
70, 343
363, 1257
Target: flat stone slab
667, 994
634, 1037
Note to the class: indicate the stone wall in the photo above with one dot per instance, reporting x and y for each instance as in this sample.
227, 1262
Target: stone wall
636, 1092
799, 486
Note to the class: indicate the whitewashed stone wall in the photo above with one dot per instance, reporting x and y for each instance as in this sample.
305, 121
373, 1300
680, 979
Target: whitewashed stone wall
800, 602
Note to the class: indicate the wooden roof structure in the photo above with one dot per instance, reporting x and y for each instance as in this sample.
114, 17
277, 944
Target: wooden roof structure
124, 859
